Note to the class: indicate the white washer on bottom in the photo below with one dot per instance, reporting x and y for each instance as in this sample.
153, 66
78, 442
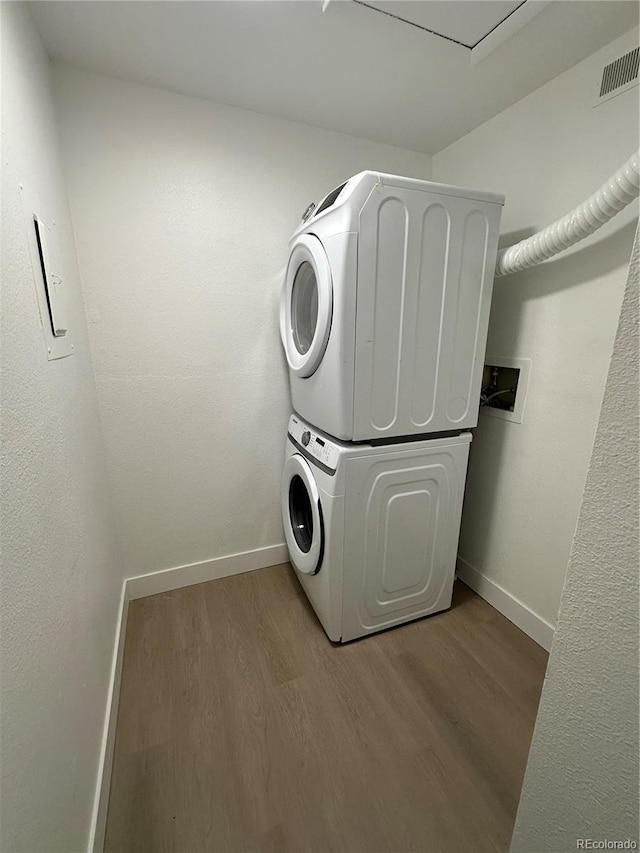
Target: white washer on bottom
372, 531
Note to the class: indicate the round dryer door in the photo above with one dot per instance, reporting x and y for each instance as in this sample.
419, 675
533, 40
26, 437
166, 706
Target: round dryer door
302, 515
307, 305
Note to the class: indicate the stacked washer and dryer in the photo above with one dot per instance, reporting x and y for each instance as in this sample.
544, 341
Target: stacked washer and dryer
383, 319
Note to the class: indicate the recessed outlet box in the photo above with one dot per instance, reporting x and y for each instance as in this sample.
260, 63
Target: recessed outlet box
504, 387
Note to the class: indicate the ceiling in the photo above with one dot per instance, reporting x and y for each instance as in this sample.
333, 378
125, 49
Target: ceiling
350, 68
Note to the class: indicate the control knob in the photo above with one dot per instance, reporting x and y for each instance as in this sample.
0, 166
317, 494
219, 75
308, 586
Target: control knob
306, 437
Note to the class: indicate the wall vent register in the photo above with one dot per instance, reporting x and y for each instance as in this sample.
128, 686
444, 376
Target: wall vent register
619, 76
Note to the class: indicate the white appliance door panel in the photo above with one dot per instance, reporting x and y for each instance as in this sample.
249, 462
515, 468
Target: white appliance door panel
425, 277
324, 589
306, 306
302, 515
402, 520
325, 398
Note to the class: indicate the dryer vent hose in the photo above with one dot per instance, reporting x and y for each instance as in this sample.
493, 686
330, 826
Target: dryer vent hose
615, 194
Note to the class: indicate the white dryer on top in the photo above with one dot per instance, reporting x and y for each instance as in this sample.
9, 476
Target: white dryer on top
385, 307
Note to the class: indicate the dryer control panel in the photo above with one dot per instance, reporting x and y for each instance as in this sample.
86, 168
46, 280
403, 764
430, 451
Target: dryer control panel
313, 444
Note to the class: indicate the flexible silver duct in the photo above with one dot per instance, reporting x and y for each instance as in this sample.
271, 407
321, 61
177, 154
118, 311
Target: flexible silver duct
615, 194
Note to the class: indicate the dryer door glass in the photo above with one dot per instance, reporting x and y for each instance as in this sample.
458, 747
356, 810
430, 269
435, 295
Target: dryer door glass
304, 307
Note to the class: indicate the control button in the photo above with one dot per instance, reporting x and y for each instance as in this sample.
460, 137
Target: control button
306, 437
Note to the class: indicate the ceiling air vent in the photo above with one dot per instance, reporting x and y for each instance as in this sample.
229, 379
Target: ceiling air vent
619, 75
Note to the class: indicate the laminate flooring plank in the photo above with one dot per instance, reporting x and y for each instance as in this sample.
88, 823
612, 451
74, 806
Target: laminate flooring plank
241, 727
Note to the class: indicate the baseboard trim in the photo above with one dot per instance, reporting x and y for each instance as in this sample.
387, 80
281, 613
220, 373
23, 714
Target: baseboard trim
208, 570
138, 587
105, 766
522, 616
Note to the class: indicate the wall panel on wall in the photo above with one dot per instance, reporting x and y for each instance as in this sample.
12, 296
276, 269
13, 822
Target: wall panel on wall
547, 153
182, 211
61, 571
582, 775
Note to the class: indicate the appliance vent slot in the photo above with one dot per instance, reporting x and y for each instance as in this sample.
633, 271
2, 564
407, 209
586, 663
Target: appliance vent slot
620, 72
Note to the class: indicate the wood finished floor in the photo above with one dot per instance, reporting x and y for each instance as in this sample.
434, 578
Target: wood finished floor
242, 728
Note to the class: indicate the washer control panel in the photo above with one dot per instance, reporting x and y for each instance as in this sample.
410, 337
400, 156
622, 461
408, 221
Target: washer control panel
314, 444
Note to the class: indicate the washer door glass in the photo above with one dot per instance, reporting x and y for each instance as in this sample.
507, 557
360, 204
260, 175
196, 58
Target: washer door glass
307, 305
302, 515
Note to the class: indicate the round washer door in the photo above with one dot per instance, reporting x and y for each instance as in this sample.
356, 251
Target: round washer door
307, 305
302, 515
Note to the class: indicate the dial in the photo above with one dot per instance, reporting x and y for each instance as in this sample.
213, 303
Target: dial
306, 437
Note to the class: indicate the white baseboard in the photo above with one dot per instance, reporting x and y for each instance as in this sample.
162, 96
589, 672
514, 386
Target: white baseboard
535, 626
138, 587
103, 784
208, 570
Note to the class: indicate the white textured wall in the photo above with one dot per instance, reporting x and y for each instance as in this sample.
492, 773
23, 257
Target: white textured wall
60, 574
546, 153
582, 776
182, 210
